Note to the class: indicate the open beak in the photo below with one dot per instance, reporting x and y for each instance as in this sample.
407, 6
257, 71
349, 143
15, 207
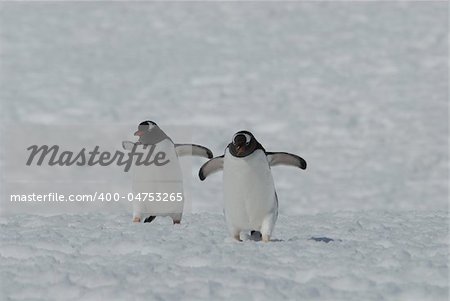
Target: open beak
139, 133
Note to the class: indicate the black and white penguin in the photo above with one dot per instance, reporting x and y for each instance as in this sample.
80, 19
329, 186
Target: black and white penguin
164, 182
251, 202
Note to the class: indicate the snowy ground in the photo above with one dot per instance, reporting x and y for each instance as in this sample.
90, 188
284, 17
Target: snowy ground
374, 256
360, 90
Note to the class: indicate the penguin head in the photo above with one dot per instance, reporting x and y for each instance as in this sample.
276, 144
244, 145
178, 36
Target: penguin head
243, 144
144, 128
149, 132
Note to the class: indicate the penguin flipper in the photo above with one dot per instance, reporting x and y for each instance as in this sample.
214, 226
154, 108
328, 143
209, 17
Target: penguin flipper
285, 159
193, 150
210, 167
128, 145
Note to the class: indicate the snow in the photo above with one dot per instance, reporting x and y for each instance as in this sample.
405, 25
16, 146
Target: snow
374, 256
360, 90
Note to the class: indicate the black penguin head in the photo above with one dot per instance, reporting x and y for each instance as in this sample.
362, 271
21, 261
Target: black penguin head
144, 128
149, 133
243, 144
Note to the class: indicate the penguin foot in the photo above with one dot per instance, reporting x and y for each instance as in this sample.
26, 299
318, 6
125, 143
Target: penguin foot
149, 219
176, 222
136, 219
265, 238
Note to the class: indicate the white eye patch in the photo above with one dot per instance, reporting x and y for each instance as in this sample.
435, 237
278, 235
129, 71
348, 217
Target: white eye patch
248, 138
150, 126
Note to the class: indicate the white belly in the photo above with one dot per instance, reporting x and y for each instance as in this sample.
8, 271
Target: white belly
249, 191
166, 180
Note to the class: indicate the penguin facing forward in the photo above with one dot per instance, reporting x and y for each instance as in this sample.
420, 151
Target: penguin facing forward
164, 182
251, 202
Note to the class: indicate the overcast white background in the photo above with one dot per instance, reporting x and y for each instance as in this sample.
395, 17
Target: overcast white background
360, 90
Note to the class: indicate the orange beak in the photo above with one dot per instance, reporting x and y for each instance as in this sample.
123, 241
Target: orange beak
240, 150
139, 133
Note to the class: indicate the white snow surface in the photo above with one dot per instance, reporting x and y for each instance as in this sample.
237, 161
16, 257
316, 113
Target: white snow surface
360, 90
374, 256
357, 89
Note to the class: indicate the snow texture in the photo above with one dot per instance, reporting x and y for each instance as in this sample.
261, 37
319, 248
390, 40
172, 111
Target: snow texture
357, 89
360, 90
374, 256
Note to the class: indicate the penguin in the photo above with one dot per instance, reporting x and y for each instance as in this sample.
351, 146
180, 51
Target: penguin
251, 202
165, 180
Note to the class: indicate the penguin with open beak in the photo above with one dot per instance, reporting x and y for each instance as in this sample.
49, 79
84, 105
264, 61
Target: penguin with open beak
163, 182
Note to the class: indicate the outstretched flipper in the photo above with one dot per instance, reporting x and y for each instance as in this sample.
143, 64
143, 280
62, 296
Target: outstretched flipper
193, 150
210, 167
285, 159
128, 145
